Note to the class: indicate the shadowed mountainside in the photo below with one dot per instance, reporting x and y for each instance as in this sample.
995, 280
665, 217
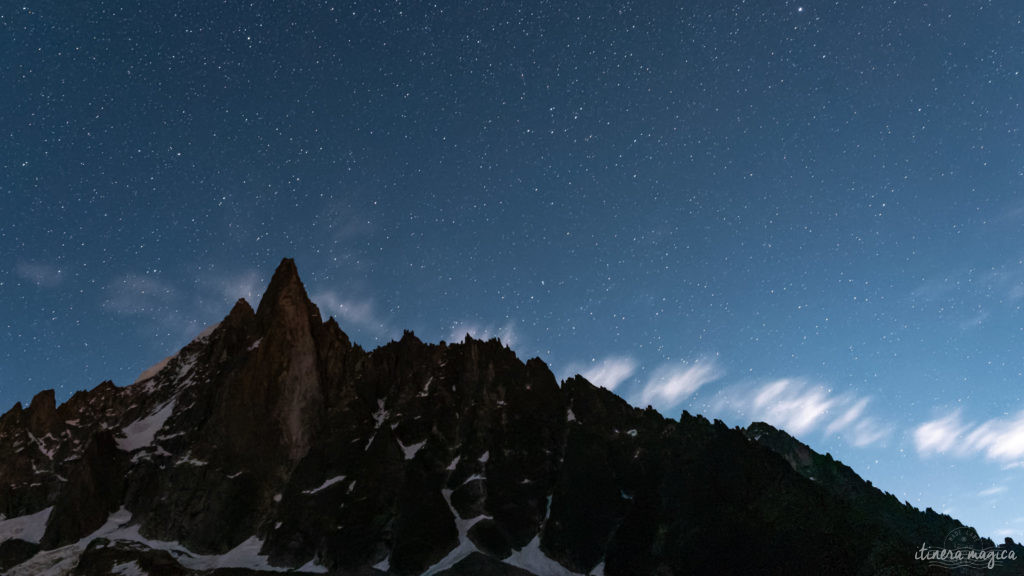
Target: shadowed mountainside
271, 442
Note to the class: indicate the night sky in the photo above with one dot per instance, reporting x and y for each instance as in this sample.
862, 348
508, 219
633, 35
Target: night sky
809, 214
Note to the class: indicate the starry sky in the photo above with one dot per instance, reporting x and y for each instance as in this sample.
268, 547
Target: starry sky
805, 213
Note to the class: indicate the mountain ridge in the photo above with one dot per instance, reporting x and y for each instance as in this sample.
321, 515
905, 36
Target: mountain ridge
273, 442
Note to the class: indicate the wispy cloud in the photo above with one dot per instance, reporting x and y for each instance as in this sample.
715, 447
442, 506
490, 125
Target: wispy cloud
849, 416
175, 308
506, 334
998, 439
795, 407
940, 435
969, 297
992, 491
360, 313
181, 310
1012, 212
610, 372
351, 227
137, 294
669, 385
801, 408
40, 274
977, 319
936, 289
154, 304
247, 284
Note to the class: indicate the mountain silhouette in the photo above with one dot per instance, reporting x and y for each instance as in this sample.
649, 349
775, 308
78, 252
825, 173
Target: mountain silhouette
273, 443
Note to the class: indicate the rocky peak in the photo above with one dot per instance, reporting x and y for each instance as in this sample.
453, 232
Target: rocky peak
11, 418
236, 333
798, 454
285, 300
42, 412
241, 312
276, 395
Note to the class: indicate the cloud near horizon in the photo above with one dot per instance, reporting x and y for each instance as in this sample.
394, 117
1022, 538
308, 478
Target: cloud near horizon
506, 334
156, 306
354, 312
247, 284
997, 439
610, 372
669, 385
800, 408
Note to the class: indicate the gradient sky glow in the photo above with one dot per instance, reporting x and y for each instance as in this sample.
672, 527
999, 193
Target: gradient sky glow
806, 213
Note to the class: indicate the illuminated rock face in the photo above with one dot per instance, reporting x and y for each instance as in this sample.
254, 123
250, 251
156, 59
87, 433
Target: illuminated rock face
274, 442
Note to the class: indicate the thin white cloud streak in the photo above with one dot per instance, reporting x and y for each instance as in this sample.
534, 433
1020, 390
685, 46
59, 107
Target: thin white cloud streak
797, 410
992, 491
975, 320
670, 385
248, 285
866, 432
801, 409
848, 417
611, 372
939, 436
998, 439
506, 334
153, 304
40, 274
969, 297
138, 294
359, 313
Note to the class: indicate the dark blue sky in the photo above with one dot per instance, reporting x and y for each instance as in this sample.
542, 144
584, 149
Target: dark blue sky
807, 213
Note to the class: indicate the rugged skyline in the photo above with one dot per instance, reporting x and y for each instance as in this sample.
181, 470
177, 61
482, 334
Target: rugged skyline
803, 213
271, 442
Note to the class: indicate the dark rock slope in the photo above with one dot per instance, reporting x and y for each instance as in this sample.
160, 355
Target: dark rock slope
273, 443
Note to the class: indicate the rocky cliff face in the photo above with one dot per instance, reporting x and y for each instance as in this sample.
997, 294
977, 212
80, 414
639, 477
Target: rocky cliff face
273, 443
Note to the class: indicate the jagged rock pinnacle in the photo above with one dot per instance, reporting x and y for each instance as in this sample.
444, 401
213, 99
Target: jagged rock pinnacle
281, 384
42, 412
241, 308
286, 295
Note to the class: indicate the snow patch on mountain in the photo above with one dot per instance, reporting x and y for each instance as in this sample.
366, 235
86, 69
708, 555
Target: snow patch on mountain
465, 546
29, 528
129, 569
62, 561
384, 565
314, 567
532, 559
48, 452
381, 415
411, 450
327, 483
426, 388
190, 461
141, 433
379, 418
